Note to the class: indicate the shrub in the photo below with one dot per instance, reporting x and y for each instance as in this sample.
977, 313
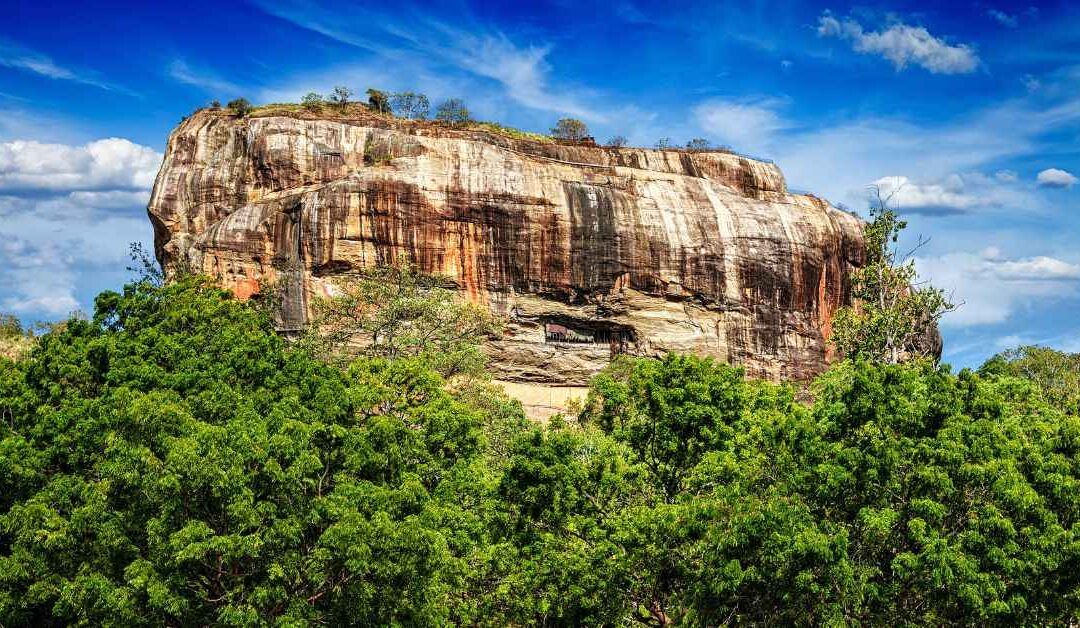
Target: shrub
617, 142
240, 106
698, 143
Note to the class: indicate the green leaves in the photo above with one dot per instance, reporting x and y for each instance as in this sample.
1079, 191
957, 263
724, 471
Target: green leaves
172, 461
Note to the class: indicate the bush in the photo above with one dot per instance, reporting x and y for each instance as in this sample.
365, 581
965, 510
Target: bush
240, 107
663, 142
698, 143
617, 142
452, 111
570, 129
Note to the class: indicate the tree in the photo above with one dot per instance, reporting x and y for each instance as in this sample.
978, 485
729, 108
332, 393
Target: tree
395, 311
894, 316
617, 142
240, 106
410, 105
215, 104
312, 101
378, 101
173, 462
698, 143
341, 96
452, 111
663, 142
1056, 373
570, 129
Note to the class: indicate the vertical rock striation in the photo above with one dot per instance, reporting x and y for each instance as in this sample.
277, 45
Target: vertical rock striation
587, 251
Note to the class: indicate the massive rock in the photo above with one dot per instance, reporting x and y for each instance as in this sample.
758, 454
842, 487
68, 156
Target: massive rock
587, 251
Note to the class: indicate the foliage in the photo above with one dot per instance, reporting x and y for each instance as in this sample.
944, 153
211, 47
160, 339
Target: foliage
15, 341
312, 101
240, 107
617, 142
215, 104
173, 461
698, 143
395, 311
453, 111
378, 100
340, 97
893, 315
1056, 373
570, 129
663, 142
410, 105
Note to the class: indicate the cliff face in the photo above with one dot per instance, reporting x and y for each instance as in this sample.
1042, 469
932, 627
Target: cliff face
587, 251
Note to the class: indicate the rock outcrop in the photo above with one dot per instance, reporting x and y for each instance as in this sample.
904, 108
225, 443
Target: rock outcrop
588, 251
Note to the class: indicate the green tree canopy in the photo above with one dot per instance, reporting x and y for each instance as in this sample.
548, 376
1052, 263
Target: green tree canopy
174, 461
570, 129
453, 111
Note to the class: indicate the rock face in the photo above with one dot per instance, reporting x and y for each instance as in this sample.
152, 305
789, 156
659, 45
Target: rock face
588, 251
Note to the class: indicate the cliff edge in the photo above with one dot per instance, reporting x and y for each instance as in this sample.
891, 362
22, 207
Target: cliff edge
587, 251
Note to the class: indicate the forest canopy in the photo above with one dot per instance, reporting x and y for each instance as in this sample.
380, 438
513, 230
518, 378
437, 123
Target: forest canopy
172, 460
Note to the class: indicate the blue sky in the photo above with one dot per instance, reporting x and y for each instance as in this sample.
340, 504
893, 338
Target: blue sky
970, 109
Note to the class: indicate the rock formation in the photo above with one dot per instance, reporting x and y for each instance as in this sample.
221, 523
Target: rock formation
588, 251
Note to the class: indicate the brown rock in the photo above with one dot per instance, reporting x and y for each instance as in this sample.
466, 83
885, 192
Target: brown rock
588, 251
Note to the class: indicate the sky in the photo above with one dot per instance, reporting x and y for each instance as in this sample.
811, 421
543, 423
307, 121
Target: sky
968, 111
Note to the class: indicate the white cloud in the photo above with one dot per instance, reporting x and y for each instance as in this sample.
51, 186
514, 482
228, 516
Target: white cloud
67, 215
750, 125
1056, 178
994, 288
903, 45
112, 163
429, 49
14, 56
1003, 18
207, 81
955, 193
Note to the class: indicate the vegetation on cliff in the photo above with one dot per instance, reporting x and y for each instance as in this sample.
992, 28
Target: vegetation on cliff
173, 461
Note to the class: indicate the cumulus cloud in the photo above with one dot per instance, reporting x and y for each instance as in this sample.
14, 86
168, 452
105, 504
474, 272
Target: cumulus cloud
67, 214
954, 194
112, 163
1055, 178
902, 44
993, 288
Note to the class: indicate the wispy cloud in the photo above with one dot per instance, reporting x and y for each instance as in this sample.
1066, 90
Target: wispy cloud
903, 45
1003, 18
522, 71
20, 58
203, 79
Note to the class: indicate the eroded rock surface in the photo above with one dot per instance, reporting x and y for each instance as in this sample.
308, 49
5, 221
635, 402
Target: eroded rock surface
587, 251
